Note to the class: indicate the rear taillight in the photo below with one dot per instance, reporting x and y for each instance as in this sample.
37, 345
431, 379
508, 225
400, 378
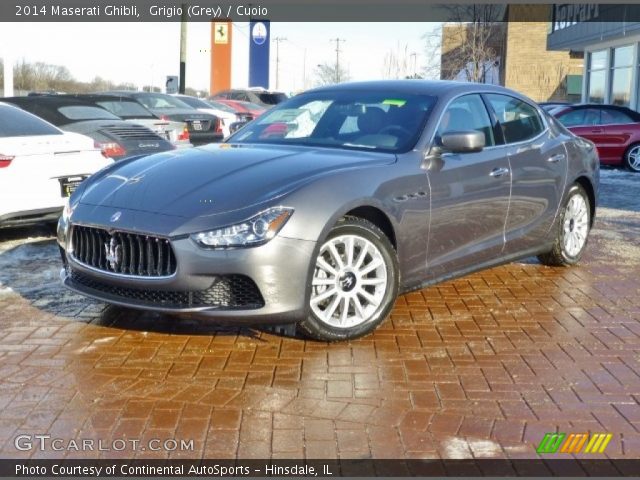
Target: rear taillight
5, 160
184, 135
110, 149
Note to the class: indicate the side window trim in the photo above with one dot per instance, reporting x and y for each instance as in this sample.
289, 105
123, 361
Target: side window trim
498, 134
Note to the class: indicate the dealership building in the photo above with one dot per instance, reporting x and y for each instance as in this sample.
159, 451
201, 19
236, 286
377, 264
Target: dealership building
609, 36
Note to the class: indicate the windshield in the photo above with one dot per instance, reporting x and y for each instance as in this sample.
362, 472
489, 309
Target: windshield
162, 102
80, 112
125, 109
194, 102
221, 106
378, 121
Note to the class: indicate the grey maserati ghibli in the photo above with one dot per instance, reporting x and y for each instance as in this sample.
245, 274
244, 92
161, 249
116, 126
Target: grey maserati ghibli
327, 207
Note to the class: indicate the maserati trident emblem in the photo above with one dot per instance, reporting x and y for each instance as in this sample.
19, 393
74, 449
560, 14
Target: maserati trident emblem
116, 216
114, 253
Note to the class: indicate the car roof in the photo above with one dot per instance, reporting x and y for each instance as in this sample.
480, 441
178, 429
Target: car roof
599, 105
419, 87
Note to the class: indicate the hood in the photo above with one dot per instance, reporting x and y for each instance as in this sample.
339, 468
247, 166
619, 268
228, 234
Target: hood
217, 178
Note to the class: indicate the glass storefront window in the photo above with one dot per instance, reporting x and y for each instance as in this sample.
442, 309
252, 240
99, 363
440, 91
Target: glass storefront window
622, 65
597, 75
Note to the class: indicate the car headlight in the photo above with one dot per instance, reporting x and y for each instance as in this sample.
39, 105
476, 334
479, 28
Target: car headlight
255, 231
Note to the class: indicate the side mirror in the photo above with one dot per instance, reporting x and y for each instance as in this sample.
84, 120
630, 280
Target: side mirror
462, 142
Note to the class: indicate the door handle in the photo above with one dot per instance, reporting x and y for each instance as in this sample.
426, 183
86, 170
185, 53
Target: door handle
556, 158
499, 172
597, 130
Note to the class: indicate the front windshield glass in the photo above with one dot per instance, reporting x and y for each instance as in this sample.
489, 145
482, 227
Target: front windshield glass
365, 120
162, 102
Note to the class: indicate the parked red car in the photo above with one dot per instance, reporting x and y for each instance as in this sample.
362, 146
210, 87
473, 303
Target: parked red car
615, 130
247, 108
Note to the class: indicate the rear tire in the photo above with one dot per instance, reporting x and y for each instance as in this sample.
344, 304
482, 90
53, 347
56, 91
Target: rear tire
354, 282
632, 158
571, 230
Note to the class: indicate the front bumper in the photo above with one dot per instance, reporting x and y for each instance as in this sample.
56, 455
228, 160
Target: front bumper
279, 270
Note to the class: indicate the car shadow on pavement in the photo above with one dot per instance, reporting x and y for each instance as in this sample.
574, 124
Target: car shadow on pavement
30, 267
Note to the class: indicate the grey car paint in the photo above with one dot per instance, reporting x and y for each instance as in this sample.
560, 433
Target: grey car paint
445, 217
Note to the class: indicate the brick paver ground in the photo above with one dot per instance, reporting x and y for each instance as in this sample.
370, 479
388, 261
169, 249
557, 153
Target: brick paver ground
479, 367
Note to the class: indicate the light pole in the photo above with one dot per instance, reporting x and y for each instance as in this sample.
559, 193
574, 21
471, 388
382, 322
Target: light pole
338, 40
278, 40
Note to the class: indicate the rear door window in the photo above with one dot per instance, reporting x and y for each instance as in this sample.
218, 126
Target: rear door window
18, 123
519, 120
611, 116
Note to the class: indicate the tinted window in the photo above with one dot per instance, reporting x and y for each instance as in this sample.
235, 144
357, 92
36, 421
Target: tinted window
610, 116
465, 114
362, 120
126, 109
272, 98
519, 120
194, 102
221, 106
18, 123
80, 112
580, 116
240, 96
161, 102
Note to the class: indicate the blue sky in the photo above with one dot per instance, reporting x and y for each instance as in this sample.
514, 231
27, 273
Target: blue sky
145, 53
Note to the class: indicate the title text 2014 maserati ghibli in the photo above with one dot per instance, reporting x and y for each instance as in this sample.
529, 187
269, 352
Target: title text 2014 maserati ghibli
327, 207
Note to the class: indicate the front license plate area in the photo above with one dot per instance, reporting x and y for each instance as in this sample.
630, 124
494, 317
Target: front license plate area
68, 185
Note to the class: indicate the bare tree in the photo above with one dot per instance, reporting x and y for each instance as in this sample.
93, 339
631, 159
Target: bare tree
325, 74
471, 44
395, 64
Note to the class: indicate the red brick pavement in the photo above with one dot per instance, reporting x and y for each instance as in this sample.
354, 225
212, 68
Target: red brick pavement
478, 367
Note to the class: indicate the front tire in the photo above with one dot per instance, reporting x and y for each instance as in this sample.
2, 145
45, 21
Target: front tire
572, 230
354, 282
632, 158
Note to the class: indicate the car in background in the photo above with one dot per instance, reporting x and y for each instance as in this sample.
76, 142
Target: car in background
40, 166
131, 111
226, 116
116, 138
249, 111
614, 129
333, 203
257, 95
548, 106
203, 127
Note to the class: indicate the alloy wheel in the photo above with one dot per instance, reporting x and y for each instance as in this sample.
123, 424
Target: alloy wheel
576, 225
633, 158
349, 281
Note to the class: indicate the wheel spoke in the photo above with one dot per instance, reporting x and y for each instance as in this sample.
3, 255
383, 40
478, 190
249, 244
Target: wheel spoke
349, 247
336, 256
373, 281
322, 281
322, 263
369, 298
358, 307
345, 311
329, 311
324, 295
360, 259
371, 266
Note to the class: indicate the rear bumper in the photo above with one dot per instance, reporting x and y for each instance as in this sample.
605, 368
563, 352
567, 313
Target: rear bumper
30, 217
202, 138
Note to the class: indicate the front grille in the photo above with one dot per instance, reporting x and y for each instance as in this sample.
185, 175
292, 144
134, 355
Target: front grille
123, 253
229, 292
132, 132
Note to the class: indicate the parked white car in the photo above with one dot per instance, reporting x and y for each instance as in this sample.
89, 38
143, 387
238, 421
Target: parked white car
40, 166
227, 117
